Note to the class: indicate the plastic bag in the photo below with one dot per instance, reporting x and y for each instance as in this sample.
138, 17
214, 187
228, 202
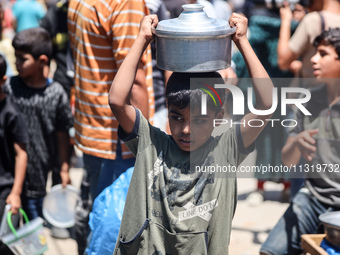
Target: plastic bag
106, 215
28, 239
4, 228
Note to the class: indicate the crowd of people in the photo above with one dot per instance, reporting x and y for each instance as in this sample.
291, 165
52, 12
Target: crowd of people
88, 68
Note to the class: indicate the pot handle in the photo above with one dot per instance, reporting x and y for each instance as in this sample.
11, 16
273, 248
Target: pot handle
233, 30
153, 30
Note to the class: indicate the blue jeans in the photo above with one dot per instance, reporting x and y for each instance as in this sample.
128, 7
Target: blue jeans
32, 207
301, 217
103, 172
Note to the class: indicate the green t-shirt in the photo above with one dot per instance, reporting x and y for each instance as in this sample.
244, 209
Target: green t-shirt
171, 207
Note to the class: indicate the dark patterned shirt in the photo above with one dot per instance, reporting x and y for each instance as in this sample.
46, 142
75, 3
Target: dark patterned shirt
46, 111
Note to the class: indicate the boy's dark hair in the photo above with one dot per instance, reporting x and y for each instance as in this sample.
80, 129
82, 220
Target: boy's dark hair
332, 37
3, 66
35, 41
183, 92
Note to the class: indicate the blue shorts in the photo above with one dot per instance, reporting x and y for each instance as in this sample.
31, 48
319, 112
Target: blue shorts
301, 217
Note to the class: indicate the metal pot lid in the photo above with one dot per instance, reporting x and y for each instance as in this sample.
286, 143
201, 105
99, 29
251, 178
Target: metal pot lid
193, 22
331, 218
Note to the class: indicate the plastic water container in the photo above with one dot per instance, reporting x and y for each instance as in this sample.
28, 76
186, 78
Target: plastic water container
59, 206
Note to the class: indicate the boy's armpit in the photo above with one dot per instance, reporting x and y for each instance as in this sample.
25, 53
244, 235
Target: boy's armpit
127, 137
240, 143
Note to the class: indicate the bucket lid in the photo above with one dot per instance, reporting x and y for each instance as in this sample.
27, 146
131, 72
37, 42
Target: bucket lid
59, 206
193, 22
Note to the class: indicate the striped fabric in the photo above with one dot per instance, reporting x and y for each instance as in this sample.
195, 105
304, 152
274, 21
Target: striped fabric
101, 33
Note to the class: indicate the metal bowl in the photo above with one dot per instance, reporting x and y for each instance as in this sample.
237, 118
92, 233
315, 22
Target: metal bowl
331, 222
193, 42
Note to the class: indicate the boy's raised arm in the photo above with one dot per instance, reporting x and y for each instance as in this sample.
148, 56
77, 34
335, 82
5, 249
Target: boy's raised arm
263, 88
120, 91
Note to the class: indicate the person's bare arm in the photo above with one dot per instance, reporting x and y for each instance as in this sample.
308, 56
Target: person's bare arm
167, 75
19, 176
120, 95
284, 55
139, 92
64, 155
301, 145
263, 88
229, 76
295, 67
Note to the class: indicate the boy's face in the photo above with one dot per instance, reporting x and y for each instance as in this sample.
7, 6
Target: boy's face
191, 129
326, 62
299, 12
26, 64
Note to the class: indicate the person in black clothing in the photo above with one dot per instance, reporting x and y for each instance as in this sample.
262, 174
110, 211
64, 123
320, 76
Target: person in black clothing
13, 156
47, 112
55, 22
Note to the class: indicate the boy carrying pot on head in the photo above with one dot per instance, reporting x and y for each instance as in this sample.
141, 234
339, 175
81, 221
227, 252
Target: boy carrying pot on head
170, 207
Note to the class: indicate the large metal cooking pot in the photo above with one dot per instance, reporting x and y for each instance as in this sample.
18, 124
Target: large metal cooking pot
331, 222
193, 42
